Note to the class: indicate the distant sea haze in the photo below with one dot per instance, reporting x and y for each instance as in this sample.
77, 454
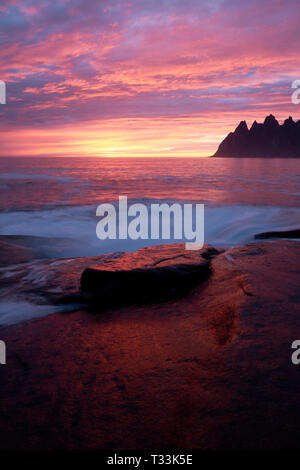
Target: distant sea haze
266, 140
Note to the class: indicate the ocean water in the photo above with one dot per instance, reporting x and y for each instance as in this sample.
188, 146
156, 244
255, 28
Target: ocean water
57, 198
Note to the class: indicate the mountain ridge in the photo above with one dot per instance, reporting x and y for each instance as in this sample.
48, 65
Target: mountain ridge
267, 140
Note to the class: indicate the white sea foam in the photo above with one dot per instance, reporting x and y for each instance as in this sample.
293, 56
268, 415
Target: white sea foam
229, 225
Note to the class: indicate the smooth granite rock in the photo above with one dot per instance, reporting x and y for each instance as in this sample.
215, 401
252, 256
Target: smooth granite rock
150, 274
211, 370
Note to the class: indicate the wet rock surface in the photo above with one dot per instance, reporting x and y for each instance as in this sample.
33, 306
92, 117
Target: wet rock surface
150, 274
279, 234
211, 370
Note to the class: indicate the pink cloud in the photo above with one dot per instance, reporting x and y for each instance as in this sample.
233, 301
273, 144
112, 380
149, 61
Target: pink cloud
95, 61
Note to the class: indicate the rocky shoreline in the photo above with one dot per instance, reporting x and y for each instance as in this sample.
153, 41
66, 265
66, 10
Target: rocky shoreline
207, 366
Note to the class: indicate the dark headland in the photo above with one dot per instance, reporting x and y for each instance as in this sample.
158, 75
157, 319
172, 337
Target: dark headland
267, 140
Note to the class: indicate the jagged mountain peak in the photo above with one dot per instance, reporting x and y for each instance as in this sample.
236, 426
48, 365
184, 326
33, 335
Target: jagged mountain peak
269, 139
242, 127
289, 121
271, 121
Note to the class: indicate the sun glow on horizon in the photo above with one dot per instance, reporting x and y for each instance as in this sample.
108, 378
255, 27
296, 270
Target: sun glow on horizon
117, 138
127, 79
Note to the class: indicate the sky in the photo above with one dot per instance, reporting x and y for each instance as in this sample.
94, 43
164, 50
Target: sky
142, 78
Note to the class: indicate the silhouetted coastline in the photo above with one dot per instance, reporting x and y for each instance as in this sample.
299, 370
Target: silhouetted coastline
266, 140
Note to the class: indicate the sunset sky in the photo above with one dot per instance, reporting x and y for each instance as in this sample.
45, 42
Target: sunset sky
142, 77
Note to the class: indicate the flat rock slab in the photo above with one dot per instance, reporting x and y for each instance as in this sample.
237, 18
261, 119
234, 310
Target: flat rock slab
211, 370
152, 273
279, 234
42, 281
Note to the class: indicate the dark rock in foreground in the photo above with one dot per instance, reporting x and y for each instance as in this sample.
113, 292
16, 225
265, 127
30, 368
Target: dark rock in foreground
278, 234
150, 274
269, 139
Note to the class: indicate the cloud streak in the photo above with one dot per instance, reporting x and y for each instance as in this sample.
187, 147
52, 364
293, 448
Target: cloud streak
85, 65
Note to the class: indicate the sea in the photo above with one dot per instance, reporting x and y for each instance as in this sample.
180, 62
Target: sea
56, 198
